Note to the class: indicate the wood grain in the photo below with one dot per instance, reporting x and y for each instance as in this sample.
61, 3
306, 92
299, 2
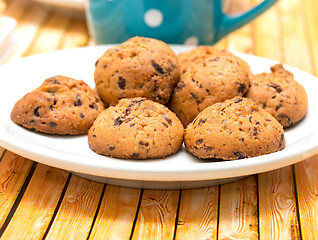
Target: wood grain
267, 38
1, 152
277, 205
16, 8
13, 171
76, 213
157, 215
306, 174
51, 34
238, 216
198, 214
37, 204
296, 50
241, 40
311, 18
116, 214
76, 35
26, 30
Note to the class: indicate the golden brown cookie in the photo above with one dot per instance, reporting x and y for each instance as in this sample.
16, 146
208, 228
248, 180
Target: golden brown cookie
136, 129
207, 82
237, 128
185, 59
139, 67
61, 105
279, 94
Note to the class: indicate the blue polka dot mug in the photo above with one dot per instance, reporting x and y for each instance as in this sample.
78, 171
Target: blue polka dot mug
173, 21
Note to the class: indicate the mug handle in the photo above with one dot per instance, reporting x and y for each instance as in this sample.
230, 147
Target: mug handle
231, 23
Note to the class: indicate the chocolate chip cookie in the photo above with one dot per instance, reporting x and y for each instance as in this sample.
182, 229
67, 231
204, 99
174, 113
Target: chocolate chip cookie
139, 67
235, 129
61, 105
279, 94
136, 129
207, 82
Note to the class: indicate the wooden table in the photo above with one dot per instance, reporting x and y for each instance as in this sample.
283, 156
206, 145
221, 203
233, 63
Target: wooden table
42, 202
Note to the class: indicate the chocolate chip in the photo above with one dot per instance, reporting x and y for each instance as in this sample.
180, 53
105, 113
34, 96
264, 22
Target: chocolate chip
172, 65
255, 131
278, 106
94, 135
52, 124
82, 115
165, 125
201, 121
93, 106
282, 137
135, 155
208, 149
242, 87
156, 86
36, 111
30, 122
250, 119
239, 155
157, 67
131, 125
143, 144
121, 83
169, 121
214, 59
180, 86
199, 141
111, 148
284, 116
118, 121
96, 63
56, 82
140, 101
281, 140
275, 86
238, 100
194, 96
77, 101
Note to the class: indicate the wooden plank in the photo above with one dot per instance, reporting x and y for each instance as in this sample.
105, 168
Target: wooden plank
306, 174
1, 152
295, 46
238, 214
16, 8
26, 30
277, 205
198, 214
37, 204
116, 214
51, 35
77, 34
157, 215
310, 13
14, 169
241, 40
76, 214
268, 39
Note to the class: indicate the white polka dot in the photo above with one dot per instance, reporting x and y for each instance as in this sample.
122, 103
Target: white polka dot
193, 40
153, 18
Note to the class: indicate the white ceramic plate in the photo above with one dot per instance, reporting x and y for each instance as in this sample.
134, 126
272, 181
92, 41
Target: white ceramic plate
179, 170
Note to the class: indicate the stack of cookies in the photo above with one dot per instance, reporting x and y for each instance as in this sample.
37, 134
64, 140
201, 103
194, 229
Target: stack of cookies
155, 100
